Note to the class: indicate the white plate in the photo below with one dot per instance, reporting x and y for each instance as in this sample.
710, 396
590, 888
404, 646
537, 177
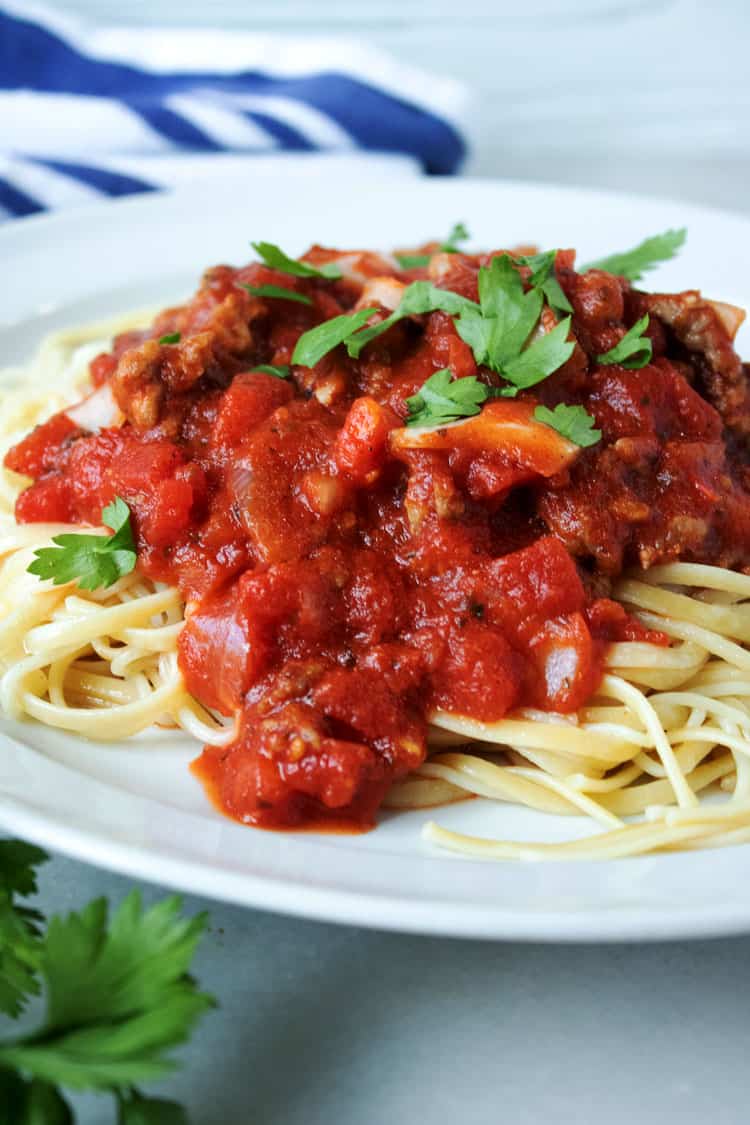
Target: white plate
135, 808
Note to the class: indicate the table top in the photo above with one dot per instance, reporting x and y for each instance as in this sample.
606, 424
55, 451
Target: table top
330, 1024
320, 1024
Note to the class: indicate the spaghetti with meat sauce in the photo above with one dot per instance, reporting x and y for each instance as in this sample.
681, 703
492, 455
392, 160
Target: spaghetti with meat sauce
407, 529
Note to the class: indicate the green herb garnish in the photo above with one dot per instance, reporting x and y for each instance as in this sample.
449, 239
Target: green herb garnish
275, 257
413, 261
458, 233
171, 338
634, 349
498, 329
542, 277
318, 341
277, 291
281, 372
418, 298
632, 264
118, 998
91, 560
573, 422
443, 399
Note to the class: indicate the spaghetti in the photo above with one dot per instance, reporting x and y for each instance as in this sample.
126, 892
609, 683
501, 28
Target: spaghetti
662, 735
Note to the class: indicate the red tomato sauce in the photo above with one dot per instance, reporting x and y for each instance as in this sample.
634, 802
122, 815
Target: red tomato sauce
344, 578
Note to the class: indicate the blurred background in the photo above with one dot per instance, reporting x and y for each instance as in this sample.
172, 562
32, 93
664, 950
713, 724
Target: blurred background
642, 95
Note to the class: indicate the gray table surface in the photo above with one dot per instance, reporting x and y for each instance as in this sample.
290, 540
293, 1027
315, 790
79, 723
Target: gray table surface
331, 1025
334, 1025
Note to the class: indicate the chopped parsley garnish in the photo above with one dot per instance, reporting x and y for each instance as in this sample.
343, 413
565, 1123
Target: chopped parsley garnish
418, 298
91, 560
633, 350
443, 399
573, 422
542, 268
632, 264
498, 329
118, 998
171, 338
277, 291
458, 233
413, 261
275, 257
318, 341
281, 371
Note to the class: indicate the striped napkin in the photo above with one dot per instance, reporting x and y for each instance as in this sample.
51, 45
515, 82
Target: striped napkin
88, 113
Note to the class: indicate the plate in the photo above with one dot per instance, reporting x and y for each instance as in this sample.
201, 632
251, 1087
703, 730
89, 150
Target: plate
135, 808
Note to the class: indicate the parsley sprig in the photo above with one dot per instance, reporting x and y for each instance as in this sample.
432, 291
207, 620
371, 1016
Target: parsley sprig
498, 330
632, 264
633, 350
275, 257
91, 560
118, 998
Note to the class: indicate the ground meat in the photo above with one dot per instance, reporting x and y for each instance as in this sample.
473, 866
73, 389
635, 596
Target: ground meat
700, 327
150, 374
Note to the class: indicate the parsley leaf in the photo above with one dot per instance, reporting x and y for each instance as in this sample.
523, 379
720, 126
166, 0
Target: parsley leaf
418, 298
634, 349
134, 1109
118, 996
573, 422
443, 399
544, 356
19, 929
632, 264
458, 233
542, 277
510, 314
92, 560
496, 329
318, 341
171, 338
275, 257
31, 1103
18, 864
499, 329
276, 291
413, 261
281, 372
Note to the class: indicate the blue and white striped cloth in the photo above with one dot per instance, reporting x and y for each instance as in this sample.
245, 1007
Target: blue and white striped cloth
88, 113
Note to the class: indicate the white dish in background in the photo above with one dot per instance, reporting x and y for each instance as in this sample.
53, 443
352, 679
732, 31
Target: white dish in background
135, 807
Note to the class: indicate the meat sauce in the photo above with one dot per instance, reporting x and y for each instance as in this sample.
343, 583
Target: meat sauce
345, 575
